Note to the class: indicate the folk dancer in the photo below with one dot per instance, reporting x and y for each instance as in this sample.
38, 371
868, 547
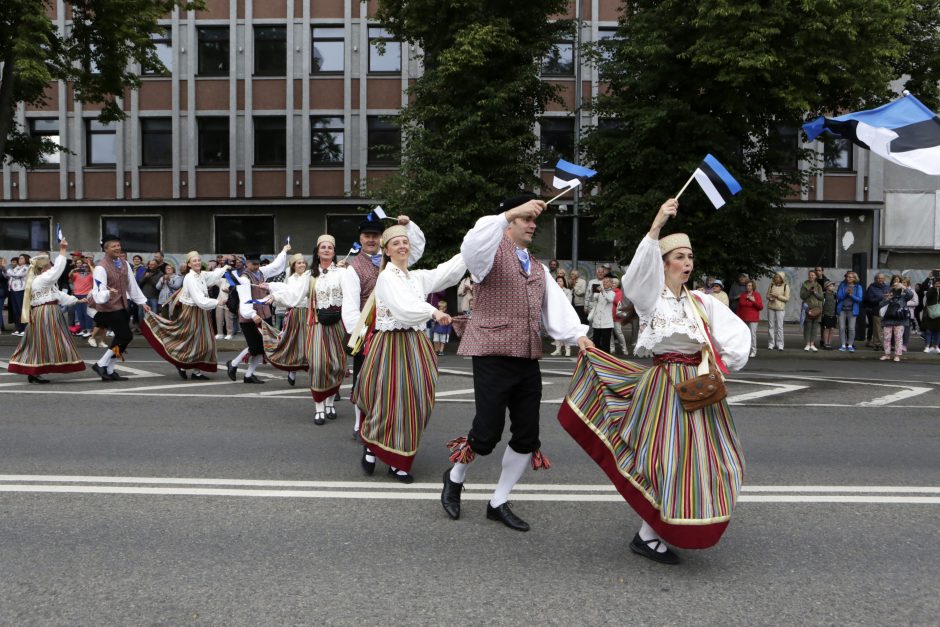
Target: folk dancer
359, 282
514, 296
680, 470
186, 339
286, 349
326, 351
397, 384
114, 287
47, 344
253, 303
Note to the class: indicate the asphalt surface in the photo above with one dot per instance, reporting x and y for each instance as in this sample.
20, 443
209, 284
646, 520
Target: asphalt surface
162, 501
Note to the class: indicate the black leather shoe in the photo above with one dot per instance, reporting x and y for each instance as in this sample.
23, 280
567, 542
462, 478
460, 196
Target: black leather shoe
331, 412
319, 418
406, 478
101, 373
505, 516
182, 374
252, 379
367, 466
198, 376
232, 370
291, 381
450, 496
116, 377
648, 549
36, 379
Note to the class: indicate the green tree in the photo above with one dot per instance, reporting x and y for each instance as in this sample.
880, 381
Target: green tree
468, 130
724, 77
921, 62
95, 54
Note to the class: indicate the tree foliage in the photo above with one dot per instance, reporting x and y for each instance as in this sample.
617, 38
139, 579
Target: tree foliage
468, 129
96, 55
721, 77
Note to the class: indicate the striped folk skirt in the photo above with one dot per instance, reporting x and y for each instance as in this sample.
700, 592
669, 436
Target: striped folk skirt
287, 349
681, 471
47, 346
395, 392
186, 341
326, 359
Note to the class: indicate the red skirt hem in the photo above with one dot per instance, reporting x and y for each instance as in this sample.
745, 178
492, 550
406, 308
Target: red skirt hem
50, 369
319, 397
158, 347
395, 460
692, 536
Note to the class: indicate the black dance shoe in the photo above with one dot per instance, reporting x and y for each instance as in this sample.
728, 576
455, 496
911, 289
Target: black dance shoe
450, 496
36, 379
232, 370
198, 376
182, 374
647, 548
291, 381
252, 379
405, 478
101, 373
331, 412
116, 377
505, 516
367, 466
319, 418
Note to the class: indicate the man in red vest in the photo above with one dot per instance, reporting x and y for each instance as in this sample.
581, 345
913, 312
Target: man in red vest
514, 296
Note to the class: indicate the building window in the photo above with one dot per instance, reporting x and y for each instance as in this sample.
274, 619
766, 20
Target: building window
213, 50
326, 140
163, 44
100, 143
245, 233
138, 234
271, 140
557, 140
24, 234
384, 140
213, 141
594, 243
837, 154
560, 60
328, 50
784, 146
156, 142
605, 41
816, 244
270, 51
345, 228
384, 52
47, 128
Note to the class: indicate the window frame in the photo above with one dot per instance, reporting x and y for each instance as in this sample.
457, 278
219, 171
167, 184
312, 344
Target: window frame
90, 134
254, 124
161, 38
47, 161
5, 245
200, 161
328, 129
200, 41
313, 47
144, 134
373, 160
850, 152
141, 216
280, 71
555, 46
387, 38
550, 153
216, 231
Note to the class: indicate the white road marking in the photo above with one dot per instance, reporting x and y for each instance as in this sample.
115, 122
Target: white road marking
462, 373
776, 388
171, 386
897, 396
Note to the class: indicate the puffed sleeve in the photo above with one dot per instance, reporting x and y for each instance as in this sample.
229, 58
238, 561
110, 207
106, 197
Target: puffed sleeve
351, 296
731, 335
191, 289
101, 292
277, 266
443, 276
559, 318
401, 300
416, 242
644, 279
50, 278
480, 244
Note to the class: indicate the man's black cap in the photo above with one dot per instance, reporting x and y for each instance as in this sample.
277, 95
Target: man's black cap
109, 237
515, 201
371, 226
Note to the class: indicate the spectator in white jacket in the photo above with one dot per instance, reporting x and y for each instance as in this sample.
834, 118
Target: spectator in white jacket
602, 314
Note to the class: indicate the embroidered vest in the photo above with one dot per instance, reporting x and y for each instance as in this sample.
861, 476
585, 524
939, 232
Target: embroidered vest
368, 274
118, 280
507, 309
257, 293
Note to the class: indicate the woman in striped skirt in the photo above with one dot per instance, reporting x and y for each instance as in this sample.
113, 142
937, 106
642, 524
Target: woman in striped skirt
287, 349
680, 470
397, 383
186, 339
326, 355
47, 344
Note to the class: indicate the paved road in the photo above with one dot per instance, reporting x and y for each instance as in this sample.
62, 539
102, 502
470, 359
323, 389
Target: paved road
162, 501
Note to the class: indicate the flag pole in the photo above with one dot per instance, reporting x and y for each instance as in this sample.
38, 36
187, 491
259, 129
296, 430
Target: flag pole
684, 186
564, 191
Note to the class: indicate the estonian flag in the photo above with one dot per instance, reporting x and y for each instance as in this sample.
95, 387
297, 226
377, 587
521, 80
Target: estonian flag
715, 181
58, 233
569, 175
904, 132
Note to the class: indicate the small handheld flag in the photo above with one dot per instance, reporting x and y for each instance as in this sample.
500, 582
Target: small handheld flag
231, 281
568, 176
904, 132
380, 213
58, 232
715, 181
256, 302
354, 249
288, 240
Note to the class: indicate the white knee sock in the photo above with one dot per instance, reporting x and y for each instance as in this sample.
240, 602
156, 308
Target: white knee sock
292, 375
320, 405
647, 533
459, 472
358, 418
331, 401
253, 364
238, 359
105, 360
514, 465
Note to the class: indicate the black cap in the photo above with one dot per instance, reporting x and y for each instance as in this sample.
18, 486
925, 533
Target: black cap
371, 226
253, 257
515, 201
109, 237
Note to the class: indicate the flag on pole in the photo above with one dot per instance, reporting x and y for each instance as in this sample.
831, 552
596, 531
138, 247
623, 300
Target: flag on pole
380, 213
569, 175
58, 232
288, 240
231, 281
716, 181
355, 248
904, 132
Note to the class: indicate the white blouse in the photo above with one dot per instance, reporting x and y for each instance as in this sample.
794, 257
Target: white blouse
293, 292
45, 287
329, 289
401, 296
667, 323
196, 288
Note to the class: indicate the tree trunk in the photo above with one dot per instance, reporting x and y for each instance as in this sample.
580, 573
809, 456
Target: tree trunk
7, 103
